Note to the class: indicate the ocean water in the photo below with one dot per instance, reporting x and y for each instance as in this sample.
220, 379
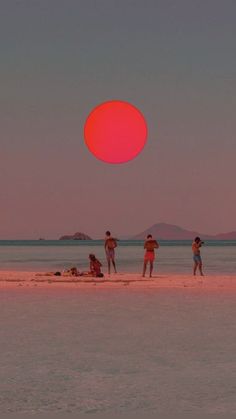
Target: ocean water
219, 257
109, 351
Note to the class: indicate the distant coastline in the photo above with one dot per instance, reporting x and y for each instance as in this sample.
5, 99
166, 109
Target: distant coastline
160, 231
164, 231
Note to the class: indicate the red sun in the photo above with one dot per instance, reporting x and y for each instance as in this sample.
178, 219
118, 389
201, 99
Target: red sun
115, 131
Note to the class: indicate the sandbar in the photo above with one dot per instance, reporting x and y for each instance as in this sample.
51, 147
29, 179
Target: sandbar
13, 279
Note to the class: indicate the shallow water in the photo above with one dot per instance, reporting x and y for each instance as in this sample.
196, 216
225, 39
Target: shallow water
172, 257
122, 350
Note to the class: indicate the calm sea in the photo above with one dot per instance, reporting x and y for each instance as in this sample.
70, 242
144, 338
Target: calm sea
219, 257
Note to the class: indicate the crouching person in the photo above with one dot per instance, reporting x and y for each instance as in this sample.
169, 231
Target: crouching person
95, 266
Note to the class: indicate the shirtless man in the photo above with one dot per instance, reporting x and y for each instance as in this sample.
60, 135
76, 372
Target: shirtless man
197, 243
149, 256
110, 245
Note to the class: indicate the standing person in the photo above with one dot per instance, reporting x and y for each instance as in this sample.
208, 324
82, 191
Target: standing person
149, 256
110, 245
197, 243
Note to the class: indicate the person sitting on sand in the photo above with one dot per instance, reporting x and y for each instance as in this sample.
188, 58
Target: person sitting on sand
197, 243
149, 256
95, 266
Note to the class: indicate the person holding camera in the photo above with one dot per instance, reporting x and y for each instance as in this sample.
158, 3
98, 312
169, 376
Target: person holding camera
197, 243
150, 245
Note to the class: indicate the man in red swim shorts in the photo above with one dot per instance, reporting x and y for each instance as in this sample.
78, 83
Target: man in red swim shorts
149, 256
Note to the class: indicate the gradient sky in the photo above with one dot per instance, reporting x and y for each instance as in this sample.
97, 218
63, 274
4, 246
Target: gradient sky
174, 60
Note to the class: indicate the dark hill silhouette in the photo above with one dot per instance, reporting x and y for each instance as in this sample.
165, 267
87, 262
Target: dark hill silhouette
164, 231
76, 236
226, 236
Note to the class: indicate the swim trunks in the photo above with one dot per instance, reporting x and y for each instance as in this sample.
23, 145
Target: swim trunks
110, 253
197, 258
149, 256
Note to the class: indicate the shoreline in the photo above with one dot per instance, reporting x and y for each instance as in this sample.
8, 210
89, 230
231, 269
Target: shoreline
14, 279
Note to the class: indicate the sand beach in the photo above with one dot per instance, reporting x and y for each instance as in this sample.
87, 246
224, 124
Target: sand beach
15, 279
122, 344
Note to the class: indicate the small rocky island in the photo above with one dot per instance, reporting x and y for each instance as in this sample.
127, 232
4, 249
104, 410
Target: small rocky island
76, 236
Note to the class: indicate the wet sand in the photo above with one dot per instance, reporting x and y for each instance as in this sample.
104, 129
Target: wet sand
13, 279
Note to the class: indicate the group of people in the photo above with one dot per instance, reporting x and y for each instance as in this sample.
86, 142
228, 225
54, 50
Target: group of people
95, 264
150, 245
110, 243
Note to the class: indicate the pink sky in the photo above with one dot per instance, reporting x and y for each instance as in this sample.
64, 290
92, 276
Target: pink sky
176, 65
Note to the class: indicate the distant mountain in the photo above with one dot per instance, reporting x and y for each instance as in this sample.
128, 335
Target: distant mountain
225, 236
76, 236
164, 231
